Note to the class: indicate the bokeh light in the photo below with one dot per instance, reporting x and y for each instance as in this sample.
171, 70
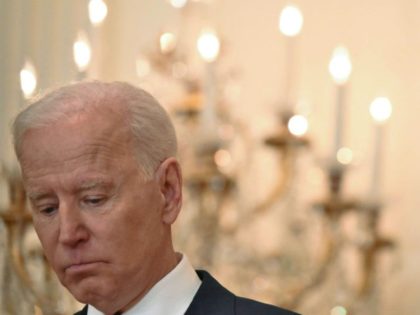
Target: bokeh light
290, 21
380, 109
298, 125
340, 66
28, 80
208, 46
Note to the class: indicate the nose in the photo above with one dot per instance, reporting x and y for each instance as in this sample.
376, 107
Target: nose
73, 229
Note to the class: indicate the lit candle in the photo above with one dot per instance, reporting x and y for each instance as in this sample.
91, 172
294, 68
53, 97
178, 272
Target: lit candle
208, 46
380, 110
82, 53
290, 25
178, 4
28, 80
298, 125
340, 69
98, 11
167, 42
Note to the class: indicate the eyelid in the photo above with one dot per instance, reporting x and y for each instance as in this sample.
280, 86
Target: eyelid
94, 199
45, 207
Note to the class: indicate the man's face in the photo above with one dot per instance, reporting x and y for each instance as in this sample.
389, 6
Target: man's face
99, 220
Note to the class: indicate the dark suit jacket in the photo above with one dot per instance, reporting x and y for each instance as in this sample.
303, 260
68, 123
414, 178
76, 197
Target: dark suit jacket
213, 299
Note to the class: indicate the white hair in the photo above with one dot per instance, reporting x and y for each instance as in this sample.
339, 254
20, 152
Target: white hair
151, 127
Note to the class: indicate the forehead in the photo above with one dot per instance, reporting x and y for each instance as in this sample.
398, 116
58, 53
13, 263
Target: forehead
82, 139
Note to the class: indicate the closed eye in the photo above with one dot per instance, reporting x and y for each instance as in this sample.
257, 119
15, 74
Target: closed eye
94, 200
48, 210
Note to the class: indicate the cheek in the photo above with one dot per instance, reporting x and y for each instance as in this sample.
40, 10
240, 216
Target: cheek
45, 233
136, 232
48, 240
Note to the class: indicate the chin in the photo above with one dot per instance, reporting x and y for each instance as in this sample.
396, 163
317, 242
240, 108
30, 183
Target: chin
90, 291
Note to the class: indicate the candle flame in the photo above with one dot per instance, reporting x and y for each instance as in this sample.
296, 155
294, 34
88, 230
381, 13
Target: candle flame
167, 42
290, 21
81, 51
28, 79
178, 3
98, 11
298, 125
208, 46
340, 65
380, 109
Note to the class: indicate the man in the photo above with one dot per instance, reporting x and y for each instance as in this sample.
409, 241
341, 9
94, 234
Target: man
104, 187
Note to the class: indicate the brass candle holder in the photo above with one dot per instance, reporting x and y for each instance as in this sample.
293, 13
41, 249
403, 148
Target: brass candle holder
17, 221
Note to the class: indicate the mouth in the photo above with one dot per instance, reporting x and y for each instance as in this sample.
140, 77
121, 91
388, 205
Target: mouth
83, 267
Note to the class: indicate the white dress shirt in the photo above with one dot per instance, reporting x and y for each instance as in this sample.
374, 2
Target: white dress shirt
171, 295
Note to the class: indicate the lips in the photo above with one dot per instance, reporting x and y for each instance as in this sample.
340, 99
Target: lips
88, 266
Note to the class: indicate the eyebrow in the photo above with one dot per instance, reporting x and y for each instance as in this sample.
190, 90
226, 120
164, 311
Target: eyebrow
85, 185
94, 183
37, 195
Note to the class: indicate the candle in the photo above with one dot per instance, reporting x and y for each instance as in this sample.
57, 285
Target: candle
82, 53
380, 110
208, 46
290, 25
98, 11
340, 69
167, 42
28, 79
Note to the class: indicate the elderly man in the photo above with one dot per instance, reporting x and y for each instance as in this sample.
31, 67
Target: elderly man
104, 187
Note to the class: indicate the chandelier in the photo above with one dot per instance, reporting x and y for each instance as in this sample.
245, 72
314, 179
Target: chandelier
275, 243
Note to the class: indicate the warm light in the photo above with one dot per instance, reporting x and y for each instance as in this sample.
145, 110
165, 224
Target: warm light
345, 156
81, 52
28, 79
98, 11
338, 310
290, 21
380, 109
298, 125
208, 46
167, 42
178, 3
142, 66
340, 65
222, 158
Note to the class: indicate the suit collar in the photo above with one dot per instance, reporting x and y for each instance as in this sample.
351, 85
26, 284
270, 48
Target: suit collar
211, 298
82, 311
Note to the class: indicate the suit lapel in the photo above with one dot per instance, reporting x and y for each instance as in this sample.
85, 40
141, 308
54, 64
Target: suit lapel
211, 298
83, 311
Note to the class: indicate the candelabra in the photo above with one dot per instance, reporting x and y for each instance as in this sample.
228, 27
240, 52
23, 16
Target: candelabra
25, 288
217, 215
210, 189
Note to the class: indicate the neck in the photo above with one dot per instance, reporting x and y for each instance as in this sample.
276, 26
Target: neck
167, 264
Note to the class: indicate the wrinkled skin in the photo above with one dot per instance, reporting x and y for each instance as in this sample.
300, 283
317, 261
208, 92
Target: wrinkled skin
104, 227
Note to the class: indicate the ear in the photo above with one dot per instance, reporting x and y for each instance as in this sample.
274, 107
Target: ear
169, 178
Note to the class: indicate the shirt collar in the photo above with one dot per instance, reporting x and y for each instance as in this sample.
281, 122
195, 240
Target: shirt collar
171, 295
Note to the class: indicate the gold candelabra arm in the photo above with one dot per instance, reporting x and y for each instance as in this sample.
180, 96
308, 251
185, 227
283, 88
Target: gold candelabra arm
17, 220
370, 249
287, 146
326, 261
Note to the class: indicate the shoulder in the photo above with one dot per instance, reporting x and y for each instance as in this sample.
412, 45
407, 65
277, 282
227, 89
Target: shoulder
82, 312
213, 295
248, 306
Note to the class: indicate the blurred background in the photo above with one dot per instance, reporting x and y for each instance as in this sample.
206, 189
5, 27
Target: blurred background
296, 125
